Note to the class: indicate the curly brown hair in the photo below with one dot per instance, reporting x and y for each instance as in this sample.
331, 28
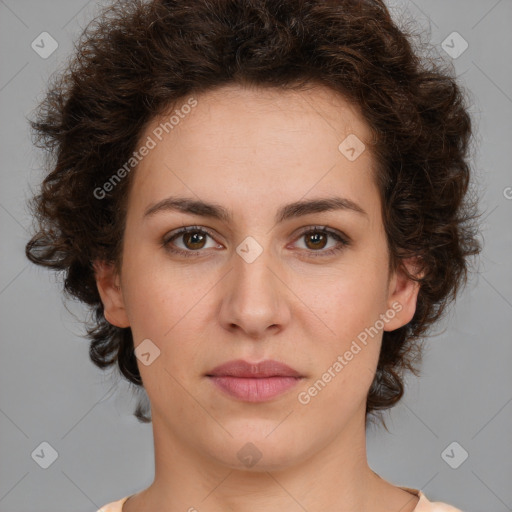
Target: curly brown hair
138, 58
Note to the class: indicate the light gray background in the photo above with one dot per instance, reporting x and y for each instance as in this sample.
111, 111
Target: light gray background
50, 391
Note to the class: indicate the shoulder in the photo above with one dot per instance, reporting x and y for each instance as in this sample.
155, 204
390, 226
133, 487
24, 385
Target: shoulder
114, 506
424, 505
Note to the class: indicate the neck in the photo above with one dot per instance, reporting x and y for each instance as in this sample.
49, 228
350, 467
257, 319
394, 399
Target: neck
336, 477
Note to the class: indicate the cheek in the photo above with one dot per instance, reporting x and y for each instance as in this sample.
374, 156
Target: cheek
169, 306
164, 314
349, 301
347, 298
347, 356
158, 295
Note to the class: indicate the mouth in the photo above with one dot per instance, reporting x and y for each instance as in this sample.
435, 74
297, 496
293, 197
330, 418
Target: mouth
254, 382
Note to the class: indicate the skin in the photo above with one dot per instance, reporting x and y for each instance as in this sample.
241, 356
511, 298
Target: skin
252, 150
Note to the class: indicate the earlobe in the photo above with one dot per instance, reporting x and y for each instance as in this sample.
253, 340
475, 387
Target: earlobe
403, 294
109, 288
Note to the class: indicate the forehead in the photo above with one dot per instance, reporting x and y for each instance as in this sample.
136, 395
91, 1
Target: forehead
235, 110
248, 144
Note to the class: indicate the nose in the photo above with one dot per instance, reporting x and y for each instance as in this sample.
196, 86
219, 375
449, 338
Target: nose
255, 297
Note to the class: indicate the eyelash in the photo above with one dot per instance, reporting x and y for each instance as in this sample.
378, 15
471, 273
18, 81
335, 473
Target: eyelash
343, 242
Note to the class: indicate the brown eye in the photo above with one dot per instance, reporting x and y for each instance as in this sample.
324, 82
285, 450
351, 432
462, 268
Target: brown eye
189, 241
194, 240
315, 240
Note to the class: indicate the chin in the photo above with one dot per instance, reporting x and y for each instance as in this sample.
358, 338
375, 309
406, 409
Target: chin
266, 448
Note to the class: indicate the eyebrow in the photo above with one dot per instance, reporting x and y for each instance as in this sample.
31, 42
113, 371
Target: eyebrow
289, 211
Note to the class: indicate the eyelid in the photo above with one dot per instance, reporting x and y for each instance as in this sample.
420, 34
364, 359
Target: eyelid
327, 229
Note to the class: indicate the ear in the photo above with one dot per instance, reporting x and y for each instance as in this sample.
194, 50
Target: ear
403, 294
109, 288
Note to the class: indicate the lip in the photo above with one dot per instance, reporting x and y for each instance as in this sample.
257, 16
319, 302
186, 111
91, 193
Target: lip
244, 369
254, 382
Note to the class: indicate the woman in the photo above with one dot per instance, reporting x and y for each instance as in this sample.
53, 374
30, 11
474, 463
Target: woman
265, 205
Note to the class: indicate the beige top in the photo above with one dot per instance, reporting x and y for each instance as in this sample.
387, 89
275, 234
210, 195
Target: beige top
423, 504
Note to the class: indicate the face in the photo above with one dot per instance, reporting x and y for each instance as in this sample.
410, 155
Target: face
305, 286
